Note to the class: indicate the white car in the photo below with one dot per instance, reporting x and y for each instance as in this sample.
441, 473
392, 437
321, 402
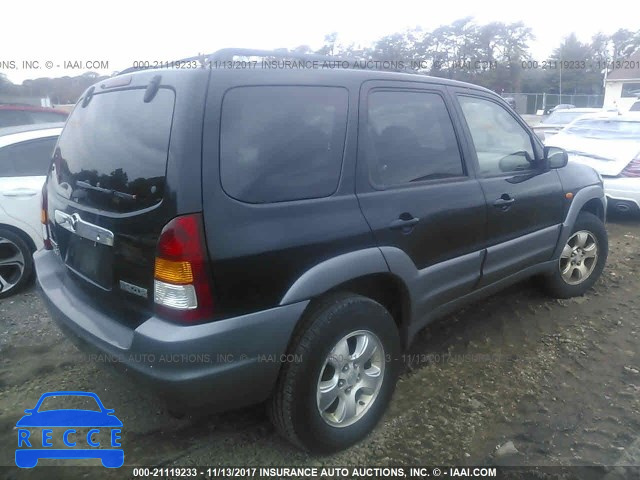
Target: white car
25, 156
560, 118
610, 143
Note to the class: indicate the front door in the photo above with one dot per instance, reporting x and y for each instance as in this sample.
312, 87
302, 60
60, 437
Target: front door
525, 200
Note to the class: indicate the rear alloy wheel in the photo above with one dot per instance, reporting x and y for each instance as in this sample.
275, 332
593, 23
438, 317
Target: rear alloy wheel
343, 375
351, 378
16, 264
582, 259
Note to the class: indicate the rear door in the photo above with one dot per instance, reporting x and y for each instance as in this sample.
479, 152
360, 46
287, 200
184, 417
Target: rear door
525, 201
415, 190
23, 168
106, 194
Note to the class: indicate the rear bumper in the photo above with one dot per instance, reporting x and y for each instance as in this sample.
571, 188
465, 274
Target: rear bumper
224, 364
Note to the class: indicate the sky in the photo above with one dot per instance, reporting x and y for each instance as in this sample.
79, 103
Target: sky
121, 32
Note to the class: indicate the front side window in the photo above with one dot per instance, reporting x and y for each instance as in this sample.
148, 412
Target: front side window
502, 145
282, 143
27, 159
410, 138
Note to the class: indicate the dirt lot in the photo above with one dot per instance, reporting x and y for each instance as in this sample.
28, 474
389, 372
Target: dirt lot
558, 379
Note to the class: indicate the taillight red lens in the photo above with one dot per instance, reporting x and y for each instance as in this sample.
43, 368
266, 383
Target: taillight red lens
182, 282
44, 218
633, 169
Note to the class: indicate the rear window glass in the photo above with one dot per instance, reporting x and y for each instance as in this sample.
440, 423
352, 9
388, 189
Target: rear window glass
605, 128
47, 117
282, 143
112, 153
561, 118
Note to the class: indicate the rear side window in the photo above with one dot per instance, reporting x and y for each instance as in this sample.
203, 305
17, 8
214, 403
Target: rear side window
27, 159
282, 143
112, 154
410, 138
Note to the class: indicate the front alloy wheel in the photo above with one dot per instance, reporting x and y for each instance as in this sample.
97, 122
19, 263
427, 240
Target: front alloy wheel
582, 259
579, 257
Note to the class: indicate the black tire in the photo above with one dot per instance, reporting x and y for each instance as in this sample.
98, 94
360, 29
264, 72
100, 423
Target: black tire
293, 408
555, 284
18, 281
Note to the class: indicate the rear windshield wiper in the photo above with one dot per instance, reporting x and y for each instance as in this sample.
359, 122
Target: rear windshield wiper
115, 193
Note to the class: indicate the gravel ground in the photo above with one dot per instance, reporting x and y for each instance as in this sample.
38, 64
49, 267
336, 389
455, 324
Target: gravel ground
517, 379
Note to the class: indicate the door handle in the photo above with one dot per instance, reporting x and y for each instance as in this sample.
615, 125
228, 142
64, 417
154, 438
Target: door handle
504, 202
20, 192
405, 222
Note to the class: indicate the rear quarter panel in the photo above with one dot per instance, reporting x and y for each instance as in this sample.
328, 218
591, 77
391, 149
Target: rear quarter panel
258, 251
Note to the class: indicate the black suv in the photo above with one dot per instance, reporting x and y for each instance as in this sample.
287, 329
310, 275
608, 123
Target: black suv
276, 234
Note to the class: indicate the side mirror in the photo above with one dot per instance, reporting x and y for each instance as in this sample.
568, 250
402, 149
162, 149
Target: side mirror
556, 157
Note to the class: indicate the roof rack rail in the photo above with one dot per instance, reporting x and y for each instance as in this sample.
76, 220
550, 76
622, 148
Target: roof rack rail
227, 54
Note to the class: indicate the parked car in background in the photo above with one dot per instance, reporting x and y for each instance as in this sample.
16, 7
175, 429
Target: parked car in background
25, 156
511, 101
14, 115
558, 120
610, 143
562, 106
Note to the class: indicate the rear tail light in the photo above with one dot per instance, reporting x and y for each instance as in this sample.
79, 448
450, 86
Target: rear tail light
633, 169
182, 285
44, 218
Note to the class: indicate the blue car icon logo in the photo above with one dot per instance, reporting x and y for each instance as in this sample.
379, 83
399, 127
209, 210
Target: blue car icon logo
102, 439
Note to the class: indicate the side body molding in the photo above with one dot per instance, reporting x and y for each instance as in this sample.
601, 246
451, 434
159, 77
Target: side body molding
335, 271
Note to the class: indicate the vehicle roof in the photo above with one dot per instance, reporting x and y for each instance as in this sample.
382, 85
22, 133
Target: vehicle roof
30, 108
577, 110
359, 74
11, 135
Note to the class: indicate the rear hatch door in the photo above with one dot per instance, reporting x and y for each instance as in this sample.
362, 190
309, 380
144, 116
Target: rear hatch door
107, 195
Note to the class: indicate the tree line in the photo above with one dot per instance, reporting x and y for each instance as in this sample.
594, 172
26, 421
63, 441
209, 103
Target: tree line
495, 55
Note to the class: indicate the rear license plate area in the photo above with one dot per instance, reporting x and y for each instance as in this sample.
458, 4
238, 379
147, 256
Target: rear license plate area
91, 260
